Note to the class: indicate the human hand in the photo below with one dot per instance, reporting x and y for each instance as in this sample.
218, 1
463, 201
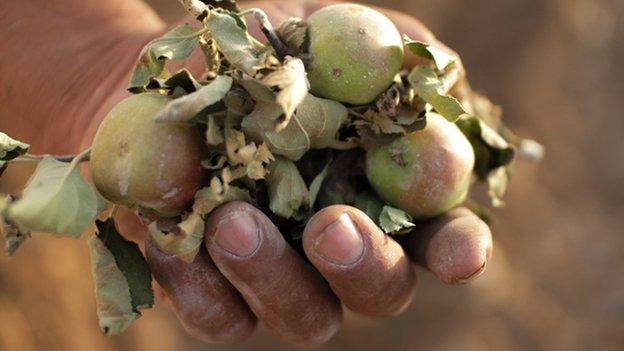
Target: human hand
247, 270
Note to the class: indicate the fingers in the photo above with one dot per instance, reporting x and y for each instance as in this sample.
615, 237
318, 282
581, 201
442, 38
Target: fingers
208, 306
455, 246
283, 291
368, 270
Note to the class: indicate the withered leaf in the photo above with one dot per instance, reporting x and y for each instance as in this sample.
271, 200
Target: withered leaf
217, 193
56, 199
184, 242
293, 33
175, 44
288, 194
233, 41
13, 236
185, 108
293, 86
314, 125
122, 279
224, 4
497, 185
432, 89
440, 58
11, 148
395, 221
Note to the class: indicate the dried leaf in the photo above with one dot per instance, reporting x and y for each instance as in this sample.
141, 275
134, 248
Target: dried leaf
216, 194
440, 58
184, 242
13, 236
174, 45
293, 33
224, 4
288, 194
185, 108
395, 221
293, 86
181, 79
233, 41
122, 279
497, 186
56, 199
432, 89
11, 148
314, 125
214, 132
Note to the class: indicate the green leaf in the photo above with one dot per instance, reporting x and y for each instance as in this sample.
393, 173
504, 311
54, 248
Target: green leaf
293, 86
314, 125
233, 41
288, 194
185, 108
369, 203
56, 199
122, 278
491, 150
176, 44
184, 241
433, 90
11, 148
317, 182
395, 221
440, 58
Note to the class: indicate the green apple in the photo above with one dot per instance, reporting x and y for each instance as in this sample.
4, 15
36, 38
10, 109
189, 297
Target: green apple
136, 162
355, 53
424, 173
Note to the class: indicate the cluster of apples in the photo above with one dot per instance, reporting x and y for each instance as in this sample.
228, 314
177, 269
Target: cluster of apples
355, 54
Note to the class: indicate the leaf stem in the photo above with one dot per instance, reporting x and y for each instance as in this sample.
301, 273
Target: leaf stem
82, 156
29, 158
267, 29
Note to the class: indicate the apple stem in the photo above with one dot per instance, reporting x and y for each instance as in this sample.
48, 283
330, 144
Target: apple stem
267, 29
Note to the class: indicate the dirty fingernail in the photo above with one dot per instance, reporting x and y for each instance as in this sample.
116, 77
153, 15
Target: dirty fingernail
340, 242
238, 234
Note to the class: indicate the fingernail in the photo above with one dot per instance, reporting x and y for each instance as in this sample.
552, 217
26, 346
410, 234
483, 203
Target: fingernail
238, 234
473, 275
340, 242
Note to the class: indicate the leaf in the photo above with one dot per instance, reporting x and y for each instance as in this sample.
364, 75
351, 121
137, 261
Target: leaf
181, 79
13, 236
184, 242
56, 199
314, 125
440, 58
288, 194
497, 186
233, 41
185, 108
11, 148
491, 150
122, 279
432, 89
317, 182
216, 194
293, 33
395, 221
369, 203
174, 45
293, 86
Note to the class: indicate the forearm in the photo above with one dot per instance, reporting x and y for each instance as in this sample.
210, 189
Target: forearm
61, 60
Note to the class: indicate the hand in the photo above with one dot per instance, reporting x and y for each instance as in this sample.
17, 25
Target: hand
246, 270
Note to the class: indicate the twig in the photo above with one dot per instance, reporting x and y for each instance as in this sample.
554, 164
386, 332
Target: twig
267, 29
28, 158
195, 7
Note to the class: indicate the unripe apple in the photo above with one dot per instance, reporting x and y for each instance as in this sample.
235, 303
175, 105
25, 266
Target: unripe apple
136, 162
355, 53
424, 173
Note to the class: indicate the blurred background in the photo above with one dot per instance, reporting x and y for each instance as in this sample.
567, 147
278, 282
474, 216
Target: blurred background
555, 281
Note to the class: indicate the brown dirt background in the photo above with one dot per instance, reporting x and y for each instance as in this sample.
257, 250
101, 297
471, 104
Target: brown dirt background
555, 282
